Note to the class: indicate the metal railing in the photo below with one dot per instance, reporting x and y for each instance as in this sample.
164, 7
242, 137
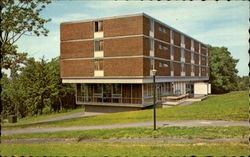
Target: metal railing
100, 99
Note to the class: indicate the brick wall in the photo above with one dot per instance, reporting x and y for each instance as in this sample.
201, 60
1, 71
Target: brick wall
187, 56
162, 71
81, 49
196, 70
123, 26
196, 58
132, 46
196, 46
76, 68
160, 35
146, 26
74, 31
177, 38
123, 67
177, 54
146, 46
188, 69
177, 67
161, 53
187, 43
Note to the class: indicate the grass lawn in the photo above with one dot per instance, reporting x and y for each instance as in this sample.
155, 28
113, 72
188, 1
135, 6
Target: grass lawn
42, 117
231, 106
125, 149
173, 132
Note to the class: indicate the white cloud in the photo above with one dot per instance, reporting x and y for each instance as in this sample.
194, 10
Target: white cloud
69, 17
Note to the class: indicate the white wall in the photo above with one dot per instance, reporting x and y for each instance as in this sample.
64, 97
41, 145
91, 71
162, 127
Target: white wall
201, 88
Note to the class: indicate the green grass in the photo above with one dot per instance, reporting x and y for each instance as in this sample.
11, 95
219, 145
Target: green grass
172, 132
125, 149
231, 106
42, 117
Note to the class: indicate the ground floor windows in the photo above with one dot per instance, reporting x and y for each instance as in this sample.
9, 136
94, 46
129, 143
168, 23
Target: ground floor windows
130, 93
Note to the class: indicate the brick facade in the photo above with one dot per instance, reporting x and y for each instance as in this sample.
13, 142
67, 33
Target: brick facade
123, 39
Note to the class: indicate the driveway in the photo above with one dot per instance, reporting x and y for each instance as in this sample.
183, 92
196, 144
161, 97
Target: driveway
188, 123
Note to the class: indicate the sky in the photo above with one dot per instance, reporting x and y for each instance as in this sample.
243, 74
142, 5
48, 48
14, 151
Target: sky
215, 23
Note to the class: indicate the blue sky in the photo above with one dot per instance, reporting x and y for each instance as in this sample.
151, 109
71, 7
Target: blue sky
215, 23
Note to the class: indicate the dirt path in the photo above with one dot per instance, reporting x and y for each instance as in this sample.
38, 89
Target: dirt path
134, 140
189, 123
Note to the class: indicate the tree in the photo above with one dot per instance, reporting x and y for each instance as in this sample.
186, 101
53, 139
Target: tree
243, 83
19, 17
223, 72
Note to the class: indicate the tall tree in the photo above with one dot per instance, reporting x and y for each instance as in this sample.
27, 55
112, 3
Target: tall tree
223, 72
19, 17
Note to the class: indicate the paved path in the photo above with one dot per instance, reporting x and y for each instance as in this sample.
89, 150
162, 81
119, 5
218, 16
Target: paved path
188, 123
73, 115
134, 140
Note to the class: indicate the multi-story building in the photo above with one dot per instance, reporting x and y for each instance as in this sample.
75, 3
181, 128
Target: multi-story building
111, 60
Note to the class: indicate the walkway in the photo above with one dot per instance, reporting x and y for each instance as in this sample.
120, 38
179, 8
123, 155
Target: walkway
188, 123
135, 140
73, 115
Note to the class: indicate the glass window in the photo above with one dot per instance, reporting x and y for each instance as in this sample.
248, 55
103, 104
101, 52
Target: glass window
84, 90
182, 53
163, 30
151, 25
160, 64
192, 55
160, 46
160, 29
172, 66
98, 64
172, 50
117, 89
151, 44
97, 88
182, 67
98, 26
151, 63
99, 45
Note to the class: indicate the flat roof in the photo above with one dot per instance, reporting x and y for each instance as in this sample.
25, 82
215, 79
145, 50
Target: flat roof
131, 15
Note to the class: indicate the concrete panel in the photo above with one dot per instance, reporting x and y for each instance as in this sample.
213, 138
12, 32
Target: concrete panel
201, 88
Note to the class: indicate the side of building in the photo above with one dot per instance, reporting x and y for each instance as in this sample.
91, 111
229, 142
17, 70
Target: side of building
110, 60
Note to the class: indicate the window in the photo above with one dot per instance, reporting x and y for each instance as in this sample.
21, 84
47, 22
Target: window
151, 44
172, 51
98, 64
172, 66
160, 65
182, 67
151, 63
161, 29
182, 53
192, 55
98, 26
182, 39
151, 25
192, 68
99, 45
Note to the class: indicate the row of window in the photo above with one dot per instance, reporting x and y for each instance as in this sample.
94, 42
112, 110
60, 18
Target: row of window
164, 65
151, 46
